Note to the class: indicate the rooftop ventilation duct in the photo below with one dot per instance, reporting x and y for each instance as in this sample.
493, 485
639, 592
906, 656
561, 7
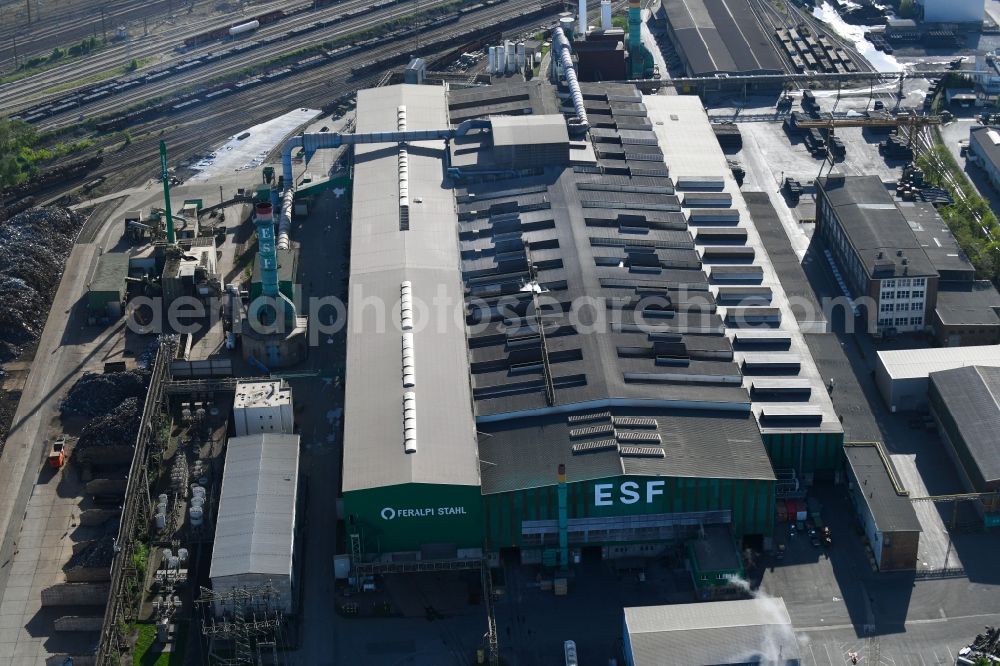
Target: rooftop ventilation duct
410, 422
406, 305
409, 378
569, 70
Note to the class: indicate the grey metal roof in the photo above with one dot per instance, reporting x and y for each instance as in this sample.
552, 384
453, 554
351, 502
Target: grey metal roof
874, 226
982, 140
110, 273
968, 304
255, 528
692, 152
938, 242
873, 471
382, 257
916, 363
721, 36
526, 452
715, 632
581, 240
519, 130
972, 397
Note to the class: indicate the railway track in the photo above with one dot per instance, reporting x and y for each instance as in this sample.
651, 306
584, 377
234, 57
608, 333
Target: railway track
213, 71
924, 143
840, 42
194, 131
71, 25
37, 89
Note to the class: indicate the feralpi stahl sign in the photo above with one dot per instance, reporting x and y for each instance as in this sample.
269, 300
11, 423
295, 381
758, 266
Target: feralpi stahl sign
390, 513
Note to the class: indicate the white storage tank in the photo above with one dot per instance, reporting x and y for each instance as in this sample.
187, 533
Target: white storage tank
197, 516
520, 57
606, 23
493, 60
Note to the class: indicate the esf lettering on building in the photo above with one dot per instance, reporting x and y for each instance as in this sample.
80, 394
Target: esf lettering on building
390, 513
628, 492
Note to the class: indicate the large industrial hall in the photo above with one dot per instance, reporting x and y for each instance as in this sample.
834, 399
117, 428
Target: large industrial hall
622, 376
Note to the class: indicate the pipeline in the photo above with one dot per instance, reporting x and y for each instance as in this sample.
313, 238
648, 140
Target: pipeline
315, 141
566, 60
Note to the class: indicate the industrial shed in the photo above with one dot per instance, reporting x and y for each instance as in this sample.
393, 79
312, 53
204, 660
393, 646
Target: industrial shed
966, 404
107, 286
454, 434
255, 531
885, 510
901, 374
717, 633
410, 475
719, 37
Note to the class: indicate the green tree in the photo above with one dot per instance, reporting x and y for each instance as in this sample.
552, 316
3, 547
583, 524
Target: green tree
133, 64
57, 53
16, 137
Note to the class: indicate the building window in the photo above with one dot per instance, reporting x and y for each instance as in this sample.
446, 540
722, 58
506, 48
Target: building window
916, 321
889, 284
887, 294
902, 307
902, 294
919, 282
917, 294
900, 321
886, 307
885, 322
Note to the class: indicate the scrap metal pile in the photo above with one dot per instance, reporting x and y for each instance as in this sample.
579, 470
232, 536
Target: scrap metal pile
119, 427
33, 247
97, 394
986, 646
97, 554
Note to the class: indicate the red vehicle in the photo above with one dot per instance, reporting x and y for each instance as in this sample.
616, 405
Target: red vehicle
57, 454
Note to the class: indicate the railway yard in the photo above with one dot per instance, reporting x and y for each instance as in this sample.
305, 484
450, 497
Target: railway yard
210, 453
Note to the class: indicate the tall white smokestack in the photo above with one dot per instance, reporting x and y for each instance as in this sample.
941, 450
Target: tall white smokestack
582, 26
606, 23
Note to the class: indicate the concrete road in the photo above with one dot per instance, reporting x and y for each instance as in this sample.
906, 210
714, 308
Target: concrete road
66, 348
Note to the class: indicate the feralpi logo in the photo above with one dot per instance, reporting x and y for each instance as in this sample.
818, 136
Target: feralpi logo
389, 513
628, 492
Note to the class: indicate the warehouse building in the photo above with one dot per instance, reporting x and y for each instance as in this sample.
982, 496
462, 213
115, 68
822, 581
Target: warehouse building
889, 521
965, 403
598, 362
410, 474
902, 374
107, 287
255, 531
984, 152
966, 309
967, 314
798, 424
263, 407
948, 11
718, 633
719, 37
877, 252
